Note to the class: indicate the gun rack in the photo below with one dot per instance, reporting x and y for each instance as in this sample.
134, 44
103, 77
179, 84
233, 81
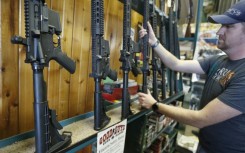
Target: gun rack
81, 127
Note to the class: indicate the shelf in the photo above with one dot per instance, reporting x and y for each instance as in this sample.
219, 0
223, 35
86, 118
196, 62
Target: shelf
172, 136
164, 130
173, 98
187, 39
84, 124
81, 127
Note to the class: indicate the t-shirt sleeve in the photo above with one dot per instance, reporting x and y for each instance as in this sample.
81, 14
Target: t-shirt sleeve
233, 95
206, 63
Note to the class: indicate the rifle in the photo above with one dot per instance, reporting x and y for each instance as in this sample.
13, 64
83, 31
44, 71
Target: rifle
41, 24
178, 76
164, 42
128, 64
174, 76
154, 58
171, 47
100, 62
145, 68
190, 16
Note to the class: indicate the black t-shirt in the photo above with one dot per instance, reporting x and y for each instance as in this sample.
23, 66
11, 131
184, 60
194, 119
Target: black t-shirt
225, 81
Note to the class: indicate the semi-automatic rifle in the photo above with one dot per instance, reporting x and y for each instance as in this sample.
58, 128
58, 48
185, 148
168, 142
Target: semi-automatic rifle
171, 47
41, 24
154, 59
163, 41
100, 62
145, 68
127, 58
178, 77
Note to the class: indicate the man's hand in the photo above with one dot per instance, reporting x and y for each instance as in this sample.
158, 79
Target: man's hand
152, 37
146, 100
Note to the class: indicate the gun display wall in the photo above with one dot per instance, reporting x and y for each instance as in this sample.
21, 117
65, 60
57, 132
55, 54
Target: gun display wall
90, 39
69, 95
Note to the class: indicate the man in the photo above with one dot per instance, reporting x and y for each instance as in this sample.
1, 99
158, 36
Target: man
221, 118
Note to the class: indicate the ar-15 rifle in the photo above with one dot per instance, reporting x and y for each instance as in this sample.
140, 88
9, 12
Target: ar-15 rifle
154, 60
145, 68
164, 43
127, 53
171, 46
41, 24
100, 62
178, 76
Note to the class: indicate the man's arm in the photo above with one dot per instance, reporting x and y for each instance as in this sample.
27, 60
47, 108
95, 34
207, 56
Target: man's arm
187, 66
214, 112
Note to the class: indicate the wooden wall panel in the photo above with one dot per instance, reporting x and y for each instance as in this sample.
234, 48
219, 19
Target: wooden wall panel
58, 77
87, 46
69, 95
9, 68
135, 20
67, 21
113, 32
86, 50
80, 49
25, 82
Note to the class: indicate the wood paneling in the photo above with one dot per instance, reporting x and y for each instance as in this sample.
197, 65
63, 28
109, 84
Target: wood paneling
58, 77
80, 49
69, 95
9, 69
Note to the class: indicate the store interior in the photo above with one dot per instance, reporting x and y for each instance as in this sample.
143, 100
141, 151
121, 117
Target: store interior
93, 65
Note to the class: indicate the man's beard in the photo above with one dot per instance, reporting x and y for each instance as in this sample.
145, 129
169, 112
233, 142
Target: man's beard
221, 44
